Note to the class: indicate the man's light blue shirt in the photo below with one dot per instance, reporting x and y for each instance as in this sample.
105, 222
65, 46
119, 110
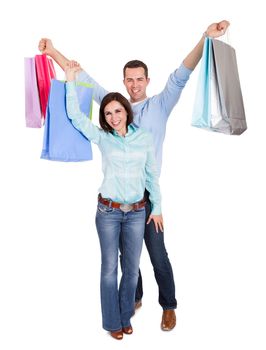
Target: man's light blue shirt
152, 113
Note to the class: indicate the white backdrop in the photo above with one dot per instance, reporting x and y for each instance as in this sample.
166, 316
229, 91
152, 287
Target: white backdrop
213, 185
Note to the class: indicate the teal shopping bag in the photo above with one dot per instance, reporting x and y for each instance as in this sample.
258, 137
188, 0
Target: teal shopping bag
62, 141
202, 107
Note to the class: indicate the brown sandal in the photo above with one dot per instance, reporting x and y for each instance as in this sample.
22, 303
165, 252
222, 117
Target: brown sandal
127, 330
117, 334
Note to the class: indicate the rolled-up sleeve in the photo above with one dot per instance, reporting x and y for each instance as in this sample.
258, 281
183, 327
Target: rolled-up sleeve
173, 88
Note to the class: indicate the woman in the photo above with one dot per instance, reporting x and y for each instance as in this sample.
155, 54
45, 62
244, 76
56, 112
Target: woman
129, 167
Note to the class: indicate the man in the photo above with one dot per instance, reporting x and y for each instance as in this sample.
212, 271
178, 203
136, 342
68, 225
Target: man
152, 114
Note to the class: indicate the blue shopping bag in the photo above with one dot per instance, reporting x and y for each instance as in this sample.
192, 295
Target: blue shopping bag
201, 111
62, 141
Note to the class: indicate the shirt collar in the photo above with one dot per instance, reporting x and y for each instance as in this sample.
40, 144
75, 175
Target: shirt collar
133, 104
130, 130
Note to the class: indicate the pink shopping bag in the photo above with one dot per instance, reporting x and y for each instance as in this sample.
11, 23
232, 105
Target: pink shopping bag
45, 73
32, 101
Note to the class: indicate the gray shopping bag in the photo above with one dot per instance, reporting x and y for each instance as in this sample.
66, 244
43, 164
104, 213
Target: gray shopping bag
227, 107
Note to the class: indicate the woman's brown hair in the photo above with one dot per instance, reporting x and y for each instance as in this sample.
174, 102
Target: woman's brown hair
114, 96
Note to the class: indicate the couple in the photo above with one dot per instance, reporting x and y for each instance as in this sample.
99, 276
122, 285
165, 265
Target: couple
124, 185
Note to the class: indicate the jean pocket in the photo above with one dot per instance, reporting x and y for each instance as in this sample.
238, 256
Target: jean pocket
140, 210
104, 209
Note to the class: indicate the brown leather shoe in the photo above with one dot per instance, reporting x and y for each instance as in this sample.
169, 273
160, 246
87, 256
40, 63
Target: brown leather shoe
127, 330
138, 305
168, 320
117, 334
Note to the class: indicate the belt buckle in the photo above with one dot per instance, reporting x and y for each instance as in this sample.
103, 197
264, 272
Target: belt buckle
126, 207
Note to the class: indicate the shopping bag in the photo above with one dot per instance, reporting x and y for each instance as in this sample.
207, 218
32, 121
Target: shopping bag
201, 112
230, 94
62, 141
45, 73
219, 103
32, 101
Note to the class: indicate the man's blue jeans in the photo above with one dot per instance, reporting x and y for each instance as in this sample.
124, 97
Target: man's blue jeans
161, 264
112, 225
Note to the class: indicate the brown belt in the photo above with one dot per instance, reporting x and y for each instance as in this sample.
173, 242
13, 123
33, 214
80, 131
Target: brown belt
124, 207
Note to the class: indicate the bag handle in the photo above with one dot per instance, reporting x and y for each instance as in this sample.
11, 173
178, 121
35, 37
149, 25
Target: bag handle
226, 38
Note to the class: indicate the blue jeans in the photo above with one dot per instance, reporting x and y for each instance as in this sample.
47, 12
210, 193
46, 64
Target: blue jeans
114, 225
161, 264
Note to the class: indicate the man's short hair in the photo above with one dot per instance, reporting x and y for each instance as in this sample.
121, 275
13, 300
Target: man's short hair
136, 64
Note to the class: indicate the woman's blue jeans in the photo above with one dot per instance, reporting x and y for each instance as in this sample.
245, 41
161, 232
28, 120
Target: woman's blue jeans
113, 224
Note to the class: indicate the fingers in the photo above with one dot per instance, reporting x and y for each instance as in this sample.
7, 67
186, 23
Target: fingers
223, 25
161, 226
42, 45
217, 29
73, 64
45, 45
42, 42
158, 223
158, 226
